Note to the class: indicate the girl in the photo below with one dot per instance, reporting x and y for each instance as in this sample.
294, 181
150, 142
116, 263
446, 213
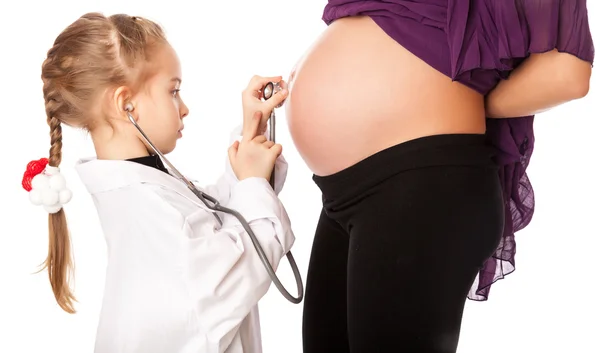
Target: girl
176, 281
422, 194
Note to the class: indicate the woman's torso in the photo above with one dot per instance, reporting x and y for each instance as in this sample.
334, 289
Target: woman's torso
356, 91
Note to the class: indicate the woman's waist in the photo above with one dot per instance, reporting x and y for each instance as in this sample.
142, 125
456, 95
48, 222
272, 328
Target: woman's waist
464, 154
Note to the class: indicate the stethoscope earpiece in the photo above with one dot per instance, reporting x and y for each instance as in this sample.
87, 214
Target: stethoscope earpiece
128, 107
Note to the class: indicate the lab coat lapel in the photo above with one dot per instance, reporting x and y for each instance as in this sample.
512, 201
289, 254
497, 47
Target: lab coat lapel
105, 175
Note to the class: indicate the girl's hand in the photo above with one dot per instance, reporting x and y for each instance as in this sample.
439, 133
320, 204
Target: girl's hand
251, 102
254, 156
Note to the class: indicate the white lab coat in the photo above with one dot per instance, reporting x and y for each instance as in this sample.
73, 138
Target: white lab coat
177, 282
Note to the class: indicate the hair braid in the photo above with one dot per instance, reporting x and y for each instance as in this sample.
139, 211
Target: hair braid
58, 262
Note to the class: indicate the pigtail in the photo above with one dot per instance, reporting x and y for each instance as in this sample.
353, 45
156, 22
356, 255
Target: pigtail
58, 262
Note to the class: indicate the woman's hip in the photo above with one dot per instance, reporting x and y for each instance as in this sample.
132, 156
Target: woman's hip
440, 191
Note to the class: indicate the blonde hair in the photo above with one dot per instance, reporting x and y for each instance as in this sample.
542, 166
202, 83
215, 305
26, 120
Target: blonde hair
92, 54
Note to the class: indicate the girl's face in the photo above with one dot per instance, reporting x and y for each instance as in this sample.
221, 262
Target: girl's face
158, 106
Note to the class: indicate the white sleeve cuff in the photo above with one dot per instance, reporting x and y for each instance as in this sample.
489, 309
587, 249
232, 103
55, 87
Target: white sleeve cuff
280, 169
254, 199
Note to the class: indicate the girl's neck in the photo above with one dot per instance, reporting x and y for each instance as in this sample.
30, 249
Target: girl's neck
110, 144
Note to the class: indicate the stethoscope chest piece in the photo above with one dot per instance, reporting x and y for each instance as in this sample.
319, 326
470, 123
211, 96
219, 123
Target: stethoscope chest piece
270, 90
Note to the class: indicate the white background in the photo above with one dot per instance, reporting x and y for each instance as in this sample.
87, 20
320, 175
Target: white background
550, 304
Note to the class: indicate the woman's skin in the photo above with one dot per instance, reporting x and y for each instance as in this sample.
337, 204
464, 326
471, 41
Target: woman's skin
542, 82
356, 91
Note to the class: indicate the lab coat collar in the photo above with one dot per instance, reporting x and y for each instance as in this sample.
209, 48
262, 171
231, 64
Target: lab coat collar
101, 175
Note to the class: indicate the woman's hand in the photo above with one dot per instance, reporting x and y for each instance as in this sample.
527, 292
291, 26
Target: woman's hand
254, 156
251, 102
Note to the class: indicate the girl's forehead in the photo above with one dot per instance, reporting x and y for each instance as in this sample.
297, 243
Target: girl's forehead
166, 62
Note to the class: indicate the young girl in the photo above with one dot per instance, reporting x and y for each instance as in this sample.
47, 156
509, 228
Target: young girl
176, 280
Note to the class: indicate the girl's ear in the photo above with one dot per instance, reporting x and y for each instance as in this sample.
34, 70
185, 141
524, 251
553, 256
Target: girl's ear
121, 100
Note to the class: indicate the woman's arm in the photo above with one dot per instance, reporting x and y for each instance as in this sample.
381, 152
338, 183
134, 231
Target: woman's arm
541, 82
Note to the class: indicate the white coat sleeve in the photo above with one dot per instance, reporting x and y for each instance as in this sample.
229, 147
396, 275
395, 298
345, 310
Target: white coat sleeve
225, 276
221, 190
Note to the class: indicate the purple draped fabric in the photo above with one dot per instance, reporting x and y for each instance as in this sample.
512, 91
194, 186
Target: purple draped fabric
479, 43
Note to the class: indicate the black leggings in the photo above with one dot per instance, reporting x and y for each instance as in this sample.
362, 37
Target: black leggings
401, 237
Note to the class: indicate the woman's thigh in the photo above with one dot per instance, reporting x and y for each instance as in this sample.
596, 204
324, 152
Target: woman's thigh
416, 244
324, 326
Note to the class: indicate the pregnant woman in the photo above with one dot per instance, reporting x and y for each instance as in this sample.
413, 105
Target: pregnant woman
416, 118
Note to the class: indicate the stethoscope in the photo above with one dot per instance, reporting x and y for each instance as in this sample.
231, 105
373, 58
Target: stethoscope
268, 91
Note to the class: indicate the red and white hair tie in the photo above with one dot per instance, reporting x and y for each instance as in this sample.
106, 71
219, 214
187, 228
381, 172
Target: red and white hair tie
46, 186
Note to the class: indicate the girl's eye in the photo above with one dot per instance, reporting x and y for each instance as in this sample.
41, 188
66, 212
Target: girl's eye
175, 92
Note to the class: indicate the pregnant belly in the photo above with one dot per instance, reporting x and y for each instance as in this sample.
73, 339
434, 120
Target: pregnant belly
356, 91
